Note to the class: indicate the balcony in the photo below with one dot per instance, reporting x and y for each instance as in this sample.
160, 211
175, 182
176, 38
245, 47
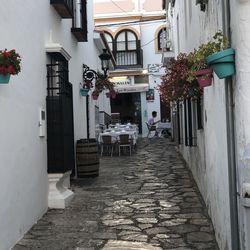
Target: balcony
79, 23
63, 7
129, 59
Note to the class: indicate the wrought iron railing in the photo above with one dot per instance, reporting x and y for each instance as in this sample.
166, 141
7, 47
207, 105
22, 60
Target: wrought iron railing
129, 58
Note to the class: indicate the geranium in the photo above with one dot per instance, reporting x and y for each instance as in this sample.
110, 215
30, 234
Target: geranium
178, 83
9, 62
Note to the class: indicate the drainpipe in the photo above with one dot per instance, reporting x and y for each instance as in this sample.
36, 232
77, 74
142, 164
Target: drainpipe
232, 172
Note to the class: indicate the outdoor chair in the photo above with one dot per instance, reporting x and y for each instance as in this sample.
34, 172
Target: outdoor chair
151, 129
106, 142
124, 142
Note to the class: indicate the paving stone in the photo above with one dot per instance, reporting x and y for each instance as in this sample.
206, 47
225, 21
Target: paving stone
147, 220
117, 222
199, 237
147, 201
128, 245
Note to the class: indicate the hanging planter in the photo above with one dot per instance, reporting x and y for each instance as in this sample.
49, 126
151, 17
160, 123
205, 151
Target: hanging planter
111, 94
4, 79
9, 65
223, 63
84, 92
95, 95
204, 77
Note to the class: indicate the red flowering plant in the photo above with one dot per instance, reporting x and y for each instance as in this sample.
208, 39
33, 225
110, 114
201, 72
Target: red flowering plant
9, 62
179, 83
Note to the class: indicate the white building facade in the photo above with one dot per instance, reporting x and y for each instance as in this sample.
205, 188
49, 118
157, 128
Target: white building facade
40, 34
219, 160
134, 31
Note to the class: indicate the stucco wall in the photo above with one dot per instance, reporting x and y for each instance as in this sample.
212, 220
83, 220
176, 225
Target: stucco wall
208, 160
240, 20
27, 27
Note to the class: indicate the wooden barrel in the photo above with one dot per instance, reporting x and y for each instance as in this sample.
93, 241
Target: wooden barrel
87, 158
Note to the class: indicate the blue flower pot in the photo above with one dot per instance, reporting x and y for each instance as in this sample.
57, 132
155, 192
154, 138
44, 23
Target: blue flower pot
4, 79
222, 63
84, 92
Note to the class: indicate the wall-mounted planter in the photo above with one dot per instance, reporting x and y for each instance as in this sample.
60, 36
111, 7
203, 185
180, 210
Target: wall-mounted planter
4, 79
95, 95
204, 77
223, 63
111, 94
84, 92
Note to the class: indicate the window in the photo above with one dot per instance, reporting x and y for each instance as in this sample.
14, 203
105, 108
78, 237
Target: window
126, 40
163, 39
109, 39
127, 49
79, 22
191, 121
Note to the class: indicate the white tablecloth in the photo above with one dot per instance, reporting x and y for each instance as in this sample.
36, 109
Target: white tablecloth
115, 135
160, 126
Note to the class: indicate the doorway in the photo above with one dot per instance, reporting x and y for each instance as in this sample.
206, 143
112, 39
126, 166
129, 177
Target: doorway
128, 105
60, 127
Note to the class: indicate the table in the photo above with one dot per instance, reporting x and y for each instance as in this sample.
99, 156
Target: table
160, 126
115, 134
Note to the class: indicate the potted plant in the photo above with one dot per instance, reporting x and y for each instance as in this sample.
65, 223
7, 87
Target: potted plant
103, 83
179, 82
84, 88
199, 68
9, 64
222, 59
111, 94
95, 94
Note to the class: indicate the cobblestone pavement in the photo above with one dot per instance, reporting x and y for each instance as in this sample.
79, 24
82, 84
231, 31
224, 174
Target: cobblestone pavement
148, 201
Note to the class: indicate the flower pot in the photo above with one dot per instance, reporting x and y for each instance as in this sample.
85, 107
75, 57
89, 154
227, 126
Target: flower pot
4, 79
113, 94
222, 63
84, 92
95, 95
204, 77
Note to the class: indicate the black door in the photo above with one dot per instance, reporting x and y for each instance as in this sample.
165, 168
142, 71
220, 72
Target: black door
60, 128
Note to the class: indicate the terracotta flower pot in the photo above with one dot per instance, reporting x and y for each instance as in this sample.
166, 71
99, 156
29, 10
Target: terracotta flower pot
95, 95
204, 77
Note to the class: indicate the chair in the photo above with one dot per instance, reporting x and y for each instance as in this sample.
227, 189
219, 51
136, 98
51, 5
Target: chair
124, 142
106, 141
151, 129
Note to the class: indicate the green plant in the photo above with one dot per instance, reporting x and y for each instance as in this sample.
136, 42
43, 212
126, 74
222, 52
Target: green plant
103, 83
197, 58
9, 62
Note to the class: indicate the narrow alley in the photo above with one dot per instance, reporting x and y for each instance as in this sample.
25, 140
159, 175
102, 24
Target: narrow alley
146, 201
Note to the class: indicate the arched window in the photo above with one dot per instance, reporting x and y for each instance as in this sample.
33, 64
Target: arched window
109, 39
163, 40
126, 40
127, 48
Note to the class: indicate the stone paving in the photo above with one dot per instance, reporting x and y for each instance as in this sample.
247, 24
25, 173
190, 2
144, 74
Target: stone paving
148, 201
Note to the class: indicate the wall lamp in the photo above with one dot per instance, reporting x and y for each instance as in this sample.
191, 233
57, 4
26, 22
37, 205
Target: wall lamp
90, 74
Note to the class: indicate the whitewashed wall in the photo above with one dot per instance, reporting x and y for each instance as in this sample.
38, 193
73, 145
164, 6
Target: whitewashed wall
208, 161
240, 20
148, 44
23, 155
